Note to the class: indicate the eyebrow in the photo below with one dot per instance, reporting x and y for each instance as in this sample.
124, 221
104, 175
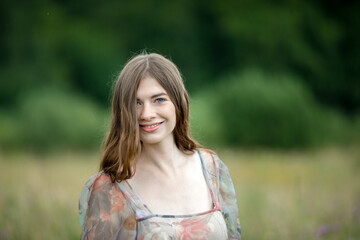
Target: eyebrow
156, 95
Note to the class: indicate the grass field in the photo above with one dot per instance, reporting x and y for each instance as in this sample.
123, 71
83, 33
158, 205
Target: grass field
281, 195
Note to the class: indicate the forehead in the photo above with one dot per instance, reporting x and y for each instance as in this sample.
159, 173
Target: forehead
148, 87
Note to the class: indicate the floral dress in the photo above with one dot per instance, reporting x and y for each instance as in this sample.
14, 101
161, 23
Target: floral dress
114, 211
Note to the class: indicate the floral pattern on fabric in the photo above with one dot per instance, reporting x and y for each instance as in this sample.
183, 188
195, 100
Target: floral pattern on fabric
189, 229
114, 211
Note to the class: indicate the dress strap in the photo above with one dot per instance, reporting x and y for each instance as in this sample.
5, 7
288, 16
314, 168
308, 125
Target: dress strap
215, 202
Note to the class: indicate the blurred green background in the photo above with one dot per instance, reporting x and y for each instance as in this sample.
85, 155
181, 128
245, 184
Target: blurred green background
274, 88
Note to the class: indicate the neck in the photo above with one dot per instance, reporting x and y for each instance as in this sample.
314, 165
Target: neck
164, 158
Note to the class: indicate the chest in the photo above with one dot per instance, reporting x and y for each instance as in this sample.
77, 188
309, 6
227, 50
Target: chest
185, 195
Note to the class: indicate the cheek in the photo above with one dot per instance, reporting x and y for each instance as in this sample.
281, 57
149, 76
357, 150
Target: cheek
137, 113
173, 113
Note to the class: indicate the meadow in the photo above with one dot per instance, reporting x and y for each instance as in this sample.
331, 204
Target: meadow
281, 195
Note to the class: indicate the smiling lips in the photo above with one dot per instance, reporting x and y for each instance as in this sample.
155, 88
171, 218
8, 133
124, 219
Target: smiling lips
150, 127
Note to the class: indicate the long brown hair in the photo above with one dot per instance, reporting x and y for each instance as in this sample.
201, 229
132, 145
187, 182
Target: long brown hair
122, 145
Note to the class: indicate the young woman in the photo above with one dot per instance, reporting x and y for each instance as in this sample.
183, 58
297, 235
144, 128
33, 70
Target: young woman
154, 183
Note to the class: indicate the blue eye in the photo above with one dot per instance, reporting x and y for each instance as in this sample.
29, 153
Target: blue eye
138, 103
160, 100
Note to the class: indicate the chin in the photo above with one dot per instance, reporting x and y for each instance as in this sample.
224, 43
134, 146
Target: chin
152, 140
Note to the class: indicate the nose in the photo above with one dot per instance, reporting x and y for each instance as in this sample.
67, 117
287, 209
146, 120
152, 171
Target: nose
147, 112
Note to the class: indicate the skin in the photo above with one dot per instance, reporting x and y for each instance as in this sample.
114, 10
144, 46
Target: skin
167, 180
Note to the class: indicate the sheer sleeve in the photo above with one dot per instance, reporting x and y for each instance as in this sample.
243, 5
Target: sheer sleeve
103, 212
228, 200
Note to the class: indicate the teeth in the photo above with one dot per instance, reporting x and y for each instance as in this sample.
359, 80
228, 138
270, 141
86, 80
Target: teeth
150, 126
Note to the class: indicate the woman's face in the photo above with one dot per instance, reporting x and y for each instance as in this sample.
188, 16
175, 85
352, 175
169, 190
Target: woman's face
155, 112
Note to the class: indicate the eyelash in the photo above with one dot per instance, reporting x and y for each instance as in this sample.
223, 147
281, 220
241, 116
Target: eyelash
158, 100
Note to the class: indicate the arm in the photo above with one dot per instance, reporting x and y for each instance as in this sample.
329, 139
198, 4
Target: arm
228, 200
103, 211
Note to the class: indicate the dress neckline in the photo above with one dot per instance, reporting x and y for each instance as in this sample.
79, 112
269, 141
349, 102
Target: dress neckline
139, 203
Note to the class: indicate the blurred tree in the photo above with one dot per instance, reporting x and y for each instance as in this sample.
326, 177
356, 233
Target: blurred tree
80, 46
264, 110
345, 64
298, 36
83, 44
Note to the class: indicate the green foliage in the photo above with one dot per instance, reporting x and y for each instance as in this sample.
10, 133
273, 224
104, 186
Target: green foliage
71, 45
52, 119
82, 45
10, 132
355, 131
314, 40
205, 121
258, 109
59, 119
